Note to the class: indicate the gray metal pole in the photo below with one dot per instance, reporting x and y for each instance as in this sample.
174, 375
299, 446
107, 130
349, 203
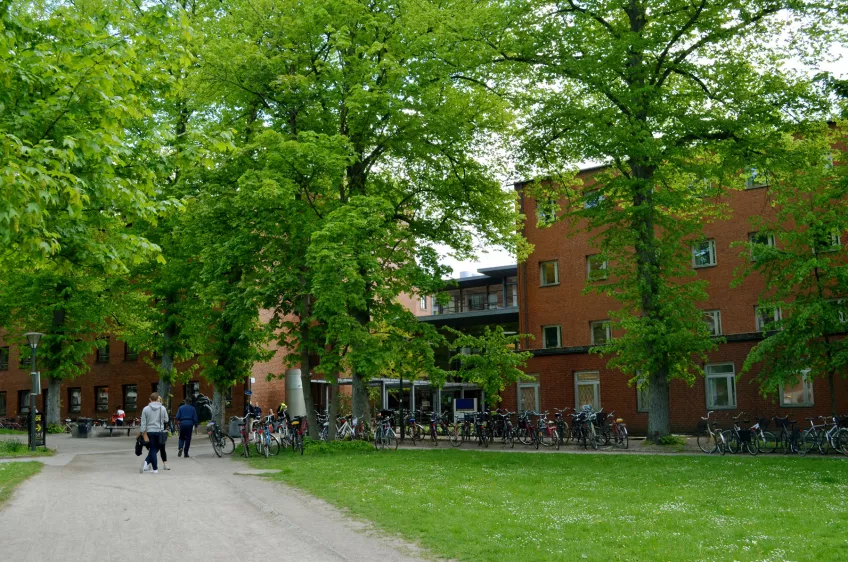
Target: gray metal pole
32, 406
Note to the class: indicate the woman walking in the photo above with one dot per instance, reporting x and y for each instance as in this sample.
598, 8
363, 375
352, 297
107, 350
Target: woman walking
152, 429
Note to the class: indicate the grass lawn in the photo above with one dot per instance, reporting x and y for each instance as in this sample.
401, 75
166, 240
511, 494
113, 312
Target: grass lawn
5, 431
508, 506
15, 448
12, 474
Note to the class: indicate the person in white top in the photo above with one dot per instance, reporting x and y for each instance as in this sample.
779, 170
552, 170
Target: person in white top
119, 417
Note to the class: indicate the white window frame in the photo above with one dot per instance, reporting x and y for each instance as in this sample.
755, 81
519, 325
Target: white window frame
604, 269
712, 250
597, 388
751, 240
607, 329
542, 281
422, 303
716, 315
808, 393
777, 313
841, 311
559, 336
731, 388
642, 395
527, 384
835, 243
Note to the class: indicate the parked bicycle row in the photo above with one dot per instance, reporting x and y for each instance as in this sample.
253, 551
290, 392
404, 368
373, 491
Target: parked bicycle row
829, 434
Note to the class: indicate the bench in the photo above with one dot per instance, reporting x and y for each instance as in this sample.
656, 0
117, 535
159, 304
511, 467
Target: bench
112, 428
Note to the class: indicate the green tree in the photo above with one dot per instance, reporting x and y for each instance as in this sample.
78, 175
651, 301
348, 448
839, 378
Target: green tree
394, 135
494, 362
676, 97
800, 255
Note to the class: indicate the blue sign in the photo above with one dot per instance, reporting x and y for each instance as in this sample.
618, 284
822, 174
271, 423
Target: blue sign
464, 404
248, 392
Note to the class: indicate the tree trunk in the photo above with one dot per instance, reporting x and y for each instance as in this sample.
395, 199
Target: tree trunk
658, 419
167, 367
219, 412
334, 409
359, 400
306, 367
54, 389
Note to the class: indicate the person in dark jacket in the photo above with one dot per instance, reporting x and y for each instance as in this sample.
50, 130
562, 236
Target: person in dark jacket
187, 418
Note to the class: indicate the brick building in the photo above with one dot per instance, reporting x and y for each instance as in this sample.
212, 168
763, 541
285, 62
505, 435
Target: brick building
566, 323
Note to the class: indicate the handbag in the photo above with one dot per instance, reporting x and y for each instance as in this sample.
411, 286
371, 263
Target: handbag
163, 435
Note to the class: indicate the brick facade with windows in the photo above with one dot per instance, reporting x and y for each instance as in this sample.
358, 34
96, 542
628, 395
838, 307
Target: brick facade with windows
551, 297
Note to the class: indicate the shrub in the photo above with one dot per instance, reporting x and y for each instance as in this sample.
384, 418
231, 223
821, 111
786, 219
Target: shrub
11, 446
672, 440
55, 428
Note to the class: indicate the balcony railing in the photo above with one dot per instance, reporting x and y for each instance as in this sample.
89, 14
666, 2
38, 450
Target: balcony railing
471, 306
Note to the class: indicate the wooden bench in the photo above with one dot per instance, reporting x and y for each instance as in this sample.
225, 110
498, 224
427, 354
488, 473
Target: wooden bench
112, 428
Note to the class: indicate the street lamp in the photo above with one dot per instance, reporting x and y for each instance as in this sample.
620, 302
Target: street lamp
33, 338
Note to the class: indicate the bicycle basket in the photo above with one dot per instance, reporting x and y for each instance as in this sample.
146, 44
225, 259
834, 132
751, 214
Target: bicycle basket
702, 425
843, 421
764, 422
744, 436
783, 423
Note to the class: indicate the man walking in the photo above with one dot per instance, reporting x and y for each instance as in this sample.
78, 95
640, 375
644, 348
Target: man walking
153, 420
187, 418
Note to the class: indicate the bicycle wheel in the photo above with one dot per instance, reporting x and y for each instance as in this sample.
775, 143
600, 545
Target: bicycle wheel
555, 438
259, 444
300, 442
274, 446
706, 442
767, 442
731, 441
622, 441
823, 443
216, 445
227, 444
809, 439
509, 438
721, 443
753, 446
455, 435
391, 440
547, 437
594, 440
245, 445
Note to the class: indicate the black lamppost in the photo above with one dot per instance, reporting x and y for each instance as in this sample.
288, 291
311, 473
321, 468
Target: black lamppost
33, 338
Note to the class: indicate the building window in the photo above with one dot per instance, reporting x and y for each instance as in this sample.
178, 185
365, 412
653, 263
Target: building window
596, 268
74, 400
549, 273
826, 240
154, 387
130, 354
766, 317
703, 253
130, 397
3, 403
23, 402
713, 319
4, 358
551, 337
592, 199
642, 395
759, 239
546, 212
797, 393
103, 351
101, 394
839, 306
587, 389
528, 396
25, 360
601, 332
228, 398
756, 178
477, 302
721, 386
422, 303
191, 390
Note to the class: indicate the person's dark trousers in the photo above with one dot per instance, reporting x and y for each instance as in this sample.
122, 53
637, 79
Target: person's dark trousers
152, 456
185, 438
119, 421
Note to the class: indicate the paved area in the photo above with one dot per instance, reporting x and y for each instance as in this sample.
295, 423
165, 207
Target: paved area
90, 503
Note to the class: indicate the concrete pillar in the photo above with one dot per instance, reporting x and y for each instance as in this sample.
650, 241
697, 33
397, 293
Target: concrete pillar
412, 398
438, 406
294, 393
385, 393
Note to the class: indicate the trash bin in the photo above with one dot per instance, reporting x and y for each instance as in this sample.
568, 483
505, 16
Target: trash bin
84, 427
235, 428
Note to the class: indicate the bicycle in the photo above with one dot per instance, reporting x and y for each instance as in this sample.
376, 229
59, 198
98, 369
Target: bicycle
738, 439
267, 444
462, 430
344, 429
562, 426
711, 439
480, 432
525, 432
384, 433
835, 438
618, 431
765, 440
788, 440
507, 431
222, 443
244, 430
297, 426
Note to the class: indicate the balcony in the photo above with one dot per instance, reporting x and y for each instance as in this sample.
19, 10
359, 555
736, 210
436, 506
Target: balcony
466, 314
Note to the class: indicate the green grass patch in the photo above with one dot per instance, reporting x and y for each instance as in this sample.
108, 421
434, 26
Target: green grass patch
509, 506
14, 448
6, 431
12, 474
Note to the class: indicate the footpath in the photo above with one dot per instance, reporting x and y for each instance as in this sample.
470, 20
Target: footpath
90, 503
